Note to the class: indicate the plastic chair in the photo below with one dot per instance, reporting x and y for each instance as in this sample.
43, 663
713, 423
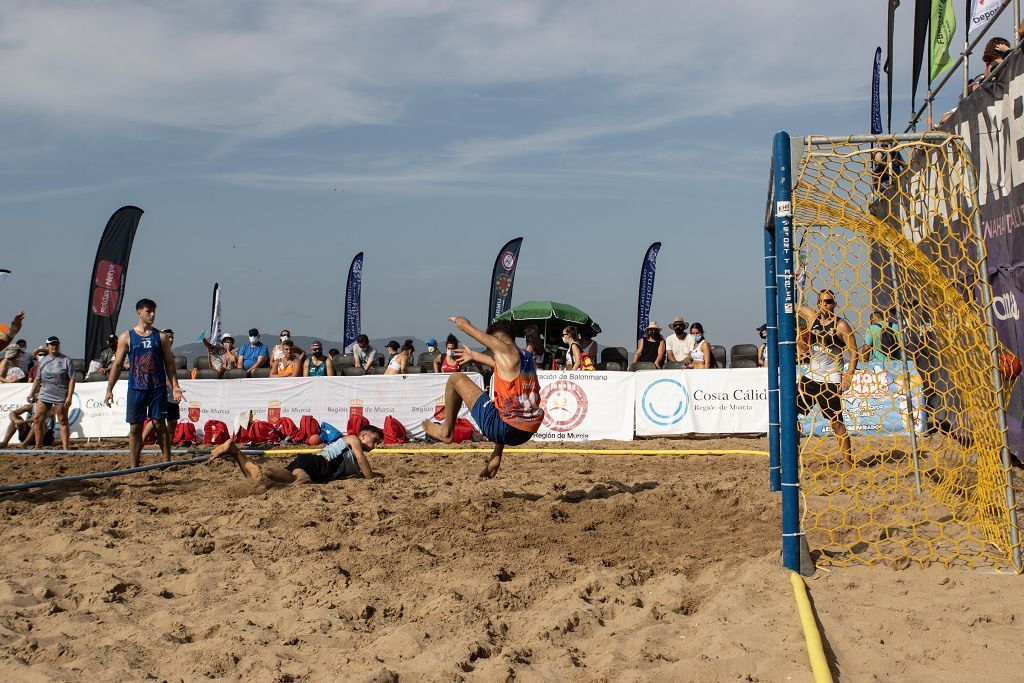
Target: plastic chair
614, 354
609, 366
744, 363
97, 377
720, 356
743, 352
413, 370
202, 363
79, 364
674, 365
180, 362
183, 373
643, 365
238, 373
207, 374
352, 372
258, 373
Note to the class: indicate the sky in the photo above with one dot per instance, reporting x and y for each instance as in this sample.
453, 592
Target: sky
268, 141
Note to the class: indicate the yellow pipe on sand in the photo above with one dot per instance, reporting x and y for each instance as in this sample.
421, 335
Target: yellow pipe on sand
412, 451
819, 665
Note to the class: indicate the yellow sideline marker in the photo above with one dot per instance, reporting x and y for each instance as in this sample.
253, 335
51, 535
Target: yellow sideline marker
815, 651
412, 451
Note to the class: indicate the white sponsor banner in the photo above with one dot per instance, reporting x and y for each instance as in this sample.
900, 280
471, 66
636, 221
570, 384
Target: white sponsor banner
586, 406
408, 398
88, 416
733, 401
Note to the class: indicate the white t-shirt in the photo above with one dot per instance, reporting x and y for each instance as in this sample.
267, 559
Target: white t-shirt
680, 348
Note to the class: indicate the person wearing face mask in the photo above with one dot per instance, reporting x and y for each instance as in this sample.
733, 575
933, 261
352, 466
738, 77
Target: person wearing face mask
575, 357
278, 351
253, 355
446, 362
679, 345
701, 357
762, 349
651, 348
316, 363
223, 355
429, 358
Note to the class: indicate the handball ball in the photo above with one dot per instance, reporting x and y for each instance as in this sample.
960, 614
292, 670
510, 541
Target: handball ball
1009, 366
315, 440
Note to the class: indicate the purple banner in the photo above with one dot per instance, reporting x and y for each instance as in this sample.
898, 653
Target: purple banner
502, 278
353, 301
876, 97
646, 293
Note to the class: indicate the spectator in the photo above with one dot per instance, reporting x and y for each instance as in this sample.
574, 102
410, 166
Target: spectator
363, 355
400, 358
432, 354
224, 355
54, 387
10, 366
334, 352
106, 358
701, 356
762, 349
13, 330
651, 348
542, 358
316, 364
887, 165
446, 362
995, 52
587, 343
254, 354
37, 357
278, 351
25, 359
22, 426
881, 342
288, 364
679, 345
575, 358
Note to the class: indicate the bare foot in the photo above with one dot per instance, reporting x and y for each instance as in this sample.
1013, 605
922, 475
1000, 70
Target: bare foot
220, 451
436, 431
491, 469
251, 470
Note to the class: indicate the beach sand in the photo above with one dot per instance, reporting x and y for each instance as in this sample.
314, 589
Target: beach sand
566, 567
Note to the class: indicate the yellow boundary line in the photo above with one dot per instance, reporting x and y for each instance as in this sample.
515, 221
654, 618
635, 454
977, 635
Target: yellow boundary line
815, 651
412, 451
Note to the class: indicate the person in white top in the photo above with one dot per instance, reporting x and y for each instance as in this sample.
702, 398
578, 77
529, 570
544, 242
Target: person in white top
701, 356
679, 345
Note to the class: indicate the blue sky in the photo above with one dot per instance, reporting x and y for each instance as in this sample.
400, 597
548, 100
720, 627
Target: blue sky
269, 141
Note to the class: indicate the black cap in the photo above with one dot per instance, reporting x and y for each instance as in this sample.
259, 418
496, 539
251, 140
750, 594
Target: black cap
52, 340
254, 332
112, 337
168, 331
763, 328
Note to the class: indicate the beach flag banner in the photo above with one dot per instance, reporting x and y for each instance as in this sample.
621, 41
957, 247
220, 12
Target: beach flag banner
891, 29
4, 274
109, 275
216, 327
943, 28
922, 12
646, 293
353, 302
502, 278
876, 97
982, 12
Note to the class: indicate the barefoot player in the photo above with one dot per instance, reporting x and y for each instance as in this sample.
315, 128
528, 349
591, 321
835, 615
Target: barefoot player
151, 368
344, 458
515, 414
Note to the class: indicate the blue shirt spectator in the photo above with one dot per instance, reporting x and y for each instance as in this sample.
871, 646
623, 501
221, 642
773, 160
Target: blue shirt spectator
254, 354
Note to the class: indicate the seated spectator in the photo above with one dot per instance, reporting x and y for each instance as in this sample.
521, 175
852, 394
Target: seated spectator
278, 351
446, 362
25, 359
651, 348
288, 364
762, 349
37, 356
253, 355
432, 353
106, 359
10, 366
223, 356
363, 355
995, 52
542, 358
701, 357
400, 358
13, 329
679, 345
334, 352
575, 358
587, 343
316, 363
21, 423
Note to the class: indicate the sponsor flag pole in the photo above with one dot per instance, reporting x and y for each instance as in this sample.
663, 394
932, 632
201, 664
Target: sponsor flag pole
109, 275
876, 97
502, 278
645, 295
353, 303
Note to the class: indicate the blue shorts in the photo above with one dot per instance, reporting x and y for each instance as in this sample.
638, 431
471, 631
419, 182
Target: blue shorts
143, 403
493, 427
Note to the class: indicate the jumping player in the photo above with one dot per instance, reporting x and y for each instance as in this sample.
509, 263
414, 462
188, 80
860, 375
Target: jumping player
151, 368
344, 458
515, 414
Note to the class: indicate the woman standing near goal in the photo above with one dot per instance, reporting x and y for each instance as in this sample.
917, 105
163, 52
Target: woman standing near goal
830, 338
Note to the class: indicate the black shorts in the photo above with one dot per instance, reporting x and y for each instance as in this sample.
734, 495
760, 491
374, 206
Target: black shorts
318, 469
823, 394
173, 411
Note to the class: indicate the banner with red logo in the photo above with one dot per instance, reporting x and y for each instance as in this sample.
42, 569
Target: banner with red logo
586, 406
502, 279
109, 273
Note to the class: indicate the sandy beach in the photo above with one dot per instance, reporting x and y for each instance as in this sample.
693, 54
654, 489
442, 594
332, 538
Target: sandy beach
566, 567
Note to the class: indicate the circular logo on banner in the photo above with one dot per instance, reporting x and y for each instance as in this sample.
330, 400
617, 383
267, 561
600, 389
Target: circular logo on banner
508, 260
504, 284
565, 405
665, 402
75, 411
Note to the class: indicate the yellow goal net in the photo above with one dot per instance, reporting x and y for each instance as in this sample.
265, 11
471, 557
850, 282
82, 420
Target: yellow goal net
901, 384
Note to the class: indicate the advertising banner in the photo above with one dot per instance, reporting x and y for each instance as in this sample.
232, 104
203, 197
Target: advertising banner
876, 401
109, 274
353, 303
503, 276
645, 292
671, 402
88, 416
586, 406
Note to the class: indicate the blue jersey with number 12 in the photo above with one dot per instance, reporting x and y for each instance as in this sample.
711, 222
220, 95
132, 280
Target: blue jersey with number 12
146, 361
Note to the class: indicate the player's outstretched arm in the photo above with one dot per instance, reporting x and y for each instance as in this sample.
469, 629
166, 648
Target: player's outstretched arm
357, 450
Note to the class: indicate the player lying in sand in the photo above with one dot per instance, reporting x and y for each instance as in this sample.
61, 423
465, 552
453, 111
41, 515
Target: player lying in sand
514, 415
344, 458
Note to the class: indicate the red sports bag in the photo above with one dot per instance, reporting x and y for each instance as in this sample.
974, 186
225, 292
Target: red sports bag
394, 431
